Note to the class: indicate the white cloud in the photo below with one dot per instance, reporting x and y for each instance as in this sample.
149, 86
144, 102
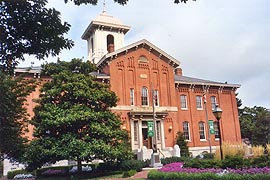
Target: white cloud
217, 40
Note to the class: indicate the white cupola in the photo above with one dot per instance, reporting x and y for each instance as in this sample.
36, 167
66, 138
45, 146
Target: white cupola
104, 34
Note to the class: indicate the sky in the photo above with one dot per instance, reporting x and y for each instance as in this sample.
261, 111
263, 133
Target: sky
220, 40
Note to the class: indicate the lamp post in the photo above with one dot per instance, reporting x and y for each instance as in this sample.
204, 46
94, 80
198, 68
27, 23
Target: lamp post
217, 113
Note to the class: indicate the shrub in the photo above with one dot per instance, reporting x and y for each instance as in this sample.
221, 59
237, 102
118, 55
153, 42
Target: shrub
53, 171
233, 162
129, 173
108, 166
131, 165
182, 143
203, 163
157, 175
12, 174
172, 159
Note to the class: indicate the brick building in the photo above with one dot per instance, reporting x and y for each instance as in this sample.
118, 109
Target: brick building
151, 88
145, 77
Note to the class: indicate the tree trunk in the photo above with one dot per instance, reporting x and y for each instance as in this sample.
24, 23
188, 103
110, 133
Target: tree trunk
79, 164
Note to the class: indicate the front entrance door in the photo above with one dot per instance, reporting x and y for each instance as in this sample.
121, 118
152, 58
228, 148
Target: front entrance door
147, 141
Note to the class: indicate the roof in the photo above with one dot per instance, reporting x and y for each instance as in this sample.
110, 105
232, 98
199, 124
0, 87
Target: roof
105, 21
140, 44
197, 81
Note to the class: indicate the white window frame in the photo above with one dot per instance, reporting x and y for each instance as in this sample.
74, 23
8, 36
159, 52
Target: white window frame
213, 102
202, 131
183, 102
199, 103
144, 96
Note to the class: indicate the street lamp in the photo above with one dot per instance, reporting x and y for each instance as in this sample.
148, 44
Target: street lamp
217, 113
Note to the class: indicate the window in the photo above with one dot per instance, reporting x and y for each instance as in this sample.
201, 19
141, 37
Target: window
155, 98
158, 130
183, 101
135, 130
186, 130
217, 134
202, 130
131, 96
213, 102
199, 102
144, 96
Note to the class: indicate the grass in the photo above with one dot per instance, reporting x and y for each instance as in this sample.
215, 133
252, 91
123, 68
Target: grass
120, 175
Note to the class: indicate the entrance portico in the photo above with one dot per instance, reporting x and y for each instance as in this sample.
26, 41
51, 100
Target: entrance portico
139, 129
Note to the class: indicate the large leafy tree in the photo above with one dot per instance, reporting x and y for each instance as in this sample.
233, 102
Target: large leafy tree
28, 27
73, 118
13, 115
255, 124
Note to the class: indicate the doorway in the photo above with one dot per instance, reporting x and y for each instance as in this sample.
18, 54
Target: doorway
147, 141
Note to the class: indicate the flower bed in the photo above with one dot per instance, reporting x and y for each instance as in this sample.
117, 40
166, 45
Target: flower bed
177, 171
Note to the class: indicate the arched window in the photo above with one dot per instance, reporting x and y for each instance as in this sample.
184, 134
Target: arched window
199, 102
144, 96
110, 43
202, 130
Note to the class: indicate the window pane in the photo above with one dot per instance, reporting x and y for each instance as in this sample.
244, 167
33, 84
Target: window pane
144, 96
216, 130
186, 130
213, 102
135, 130
155, 97
131, 96
183, 101
199, 102
202, 131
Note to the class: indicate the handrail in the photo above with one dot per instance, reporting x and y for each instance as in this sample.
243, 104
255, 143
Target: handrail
161, 153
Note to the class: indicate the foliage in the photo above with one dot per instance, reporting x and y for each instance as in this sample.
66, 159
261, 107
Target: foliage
203, 163
233, 162
131, 165
255, 124
172, 159
157, 175
29, 27
73, 119
182, 143
11, 174
13, 114
129, 173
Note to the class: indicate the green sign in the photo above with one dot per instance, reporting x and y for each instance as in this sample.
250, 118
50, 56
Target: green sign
211, 127
150, 126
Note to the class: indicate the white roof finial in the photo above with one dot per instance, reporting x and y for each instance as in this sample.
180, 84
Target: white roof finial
104, 7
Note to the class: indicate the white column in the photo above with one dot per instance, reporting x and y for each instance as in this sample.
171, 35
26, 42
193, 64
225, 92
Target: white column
162, 134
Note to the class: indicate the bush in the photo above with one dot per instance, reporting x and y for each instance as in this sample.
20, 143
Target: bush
173, 159
12, 174
203, 163
131, 165
53, 171
108, 166
129, 173
233, 162
157, 175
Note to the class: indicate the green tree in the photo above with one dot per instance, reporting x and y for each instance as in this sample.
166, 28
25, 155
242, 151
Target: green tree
13, 115
73, 119
28, 27
182, 143
255, 124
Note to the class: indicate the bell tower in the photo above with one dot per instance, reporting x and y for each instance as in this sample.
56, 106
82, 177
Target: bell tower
104, 34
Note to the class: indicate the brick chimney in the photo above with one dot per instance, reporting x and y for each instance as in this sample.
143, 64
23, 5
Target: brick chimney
178, 71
